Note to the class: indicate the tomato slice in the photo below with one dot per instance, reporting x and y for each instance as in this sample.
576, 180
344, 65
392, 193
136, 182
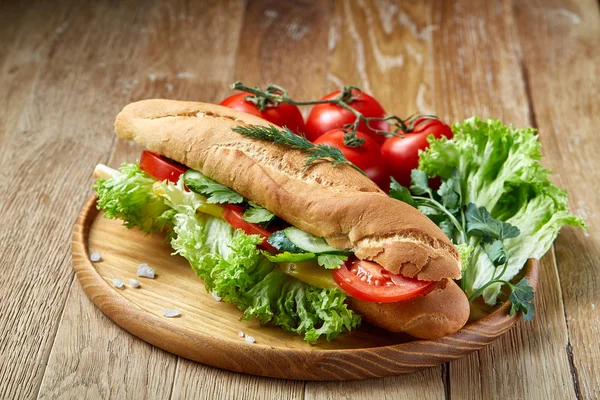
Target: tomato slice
233, 215
161, 167
368, 281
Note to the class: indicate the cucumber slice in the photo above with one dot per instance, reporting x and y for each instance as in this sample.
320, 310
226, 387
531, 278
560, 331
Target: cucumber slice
308, 242
280, 241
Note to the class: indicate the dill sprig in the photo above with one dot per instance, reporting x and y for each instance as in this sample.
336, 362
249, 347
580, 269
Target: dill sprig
285, 137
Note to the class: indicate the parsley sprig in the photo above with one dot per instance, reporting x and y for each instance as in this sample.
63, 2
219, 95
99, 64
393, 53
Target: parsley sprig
285, 137
468, 226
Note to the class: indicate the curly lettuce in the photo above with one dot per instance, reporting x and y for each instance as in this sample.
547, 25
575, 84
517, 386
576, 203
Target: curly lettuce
227, 260
128, 196
498, 168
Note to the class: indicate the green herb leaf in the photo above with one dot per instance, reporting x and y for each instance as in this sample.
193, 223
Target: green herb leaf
215, 192
286, 256
257, 214
481, 223
522, 297
450, 192
399, 192
496, 252
331, 261
285, 137
448, 228
419, 182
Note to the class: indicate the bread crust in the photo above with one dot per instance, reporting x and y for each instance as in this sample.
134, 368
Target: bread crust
443, 311
335, 202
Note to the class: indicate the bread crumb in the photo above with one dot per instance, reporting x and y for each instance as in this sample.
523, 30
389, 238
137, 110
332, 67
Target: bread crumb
118, 283
95, 257
171, 313
145, 271
134, 283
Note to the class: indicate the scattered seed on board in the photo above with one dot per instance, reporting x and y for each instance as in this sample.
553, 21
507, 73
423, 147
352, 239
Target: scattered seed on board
134, 283
118, 283
171, 313
145, 271
95, 257
249, 339
240, 334
215, 296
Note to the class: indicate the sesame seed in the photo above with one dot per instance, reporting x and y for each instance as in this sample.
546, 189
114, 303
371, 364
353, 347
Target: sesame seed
95, 257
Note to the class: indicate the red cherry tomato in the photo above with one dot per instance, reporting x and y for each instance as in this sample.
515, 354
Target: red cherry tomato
325, 117
233, 215
161, 167
281, 115
367, 157
401, 153
368, 281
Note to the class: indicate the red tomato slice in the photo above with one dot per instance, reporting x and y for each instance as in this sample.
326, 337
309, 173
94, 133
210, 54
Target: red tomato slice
233, 215
368, 281
161, 167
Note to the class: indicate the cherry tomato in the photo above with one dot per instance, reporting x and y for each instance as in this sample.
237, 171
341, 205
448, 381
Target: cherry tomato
368, 281
233, 215
161, 167
281, 115
367, 157
401, 153
325, 117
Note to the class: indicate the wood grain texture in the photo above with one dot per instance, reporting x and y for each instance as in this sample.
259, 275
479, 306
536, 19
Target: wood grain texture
565, 95
46, 60
127, 367
207, 330
284, 43
66, 68
494, 86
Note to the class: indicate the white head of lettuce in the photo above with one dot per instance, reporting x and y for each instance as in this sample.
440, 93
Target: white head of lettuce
226, 259
496, 203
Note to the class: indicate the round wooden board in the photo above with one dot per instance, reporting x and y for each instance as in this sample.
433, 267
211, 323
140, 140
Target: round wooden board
207, 330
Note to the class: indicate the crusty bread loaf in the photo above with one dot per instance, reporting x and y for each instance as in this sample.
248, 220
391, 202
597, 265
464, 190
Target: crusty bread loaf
335, 202
441, 312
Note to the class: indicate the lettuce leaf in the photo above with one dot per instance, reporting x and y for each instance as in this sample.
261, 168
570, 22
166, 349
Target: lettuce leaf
237, 272
128, 196
498, 168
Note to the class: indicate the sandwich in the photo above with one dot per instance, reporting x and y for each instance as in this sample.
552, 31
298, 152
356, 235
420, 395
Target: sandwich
290, 234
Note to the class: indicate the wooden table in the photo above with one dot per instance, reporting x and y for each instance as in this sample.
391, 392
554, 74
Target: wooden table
66, 69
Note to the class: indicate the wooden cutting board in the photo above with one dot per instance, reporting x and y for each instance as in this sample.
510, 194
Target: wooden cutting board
207, 330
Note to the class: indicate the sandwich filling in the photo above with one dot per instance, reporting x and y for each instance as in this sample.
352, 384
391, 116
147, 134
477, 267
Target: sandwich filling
244, 253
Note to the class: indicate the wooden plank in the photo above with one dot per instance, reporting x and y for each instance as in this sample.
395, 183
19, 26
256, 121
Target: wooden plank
270, 32
561, 50
120, 365
35, 279
195, 381
426, 384
478, 72
94, 358
383, 48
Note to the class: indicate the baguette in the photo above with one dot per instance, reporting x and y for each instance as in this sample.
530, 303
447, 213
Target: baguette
441, 312
334, 202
